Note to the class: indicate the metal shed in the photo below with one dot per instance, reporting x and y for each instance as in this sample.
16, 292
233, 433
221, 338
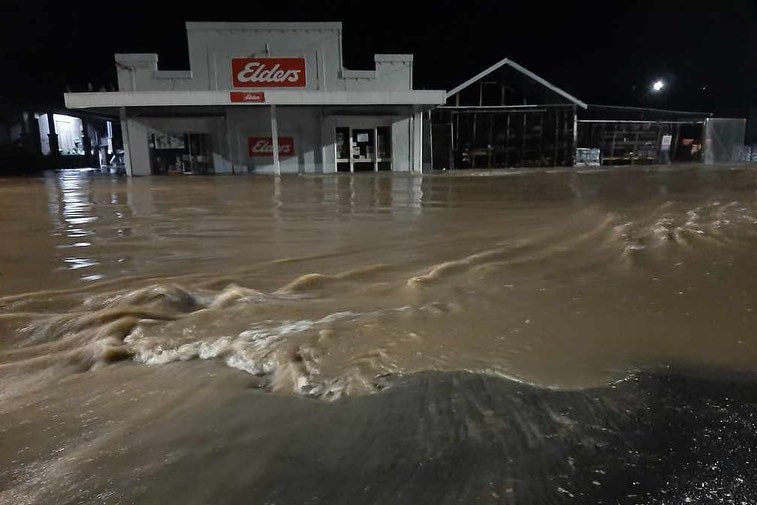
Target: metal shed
505, 116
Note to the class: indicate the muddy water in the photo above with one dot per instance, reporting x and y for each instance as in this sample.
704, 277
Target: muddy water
521, 338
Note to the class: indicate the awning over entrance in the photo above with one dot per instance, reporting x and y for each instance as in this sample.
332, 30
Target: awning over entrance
429, 98
135, 106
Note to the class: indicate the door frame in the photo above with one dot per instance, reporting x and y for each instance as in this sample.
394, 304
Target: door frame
364, 122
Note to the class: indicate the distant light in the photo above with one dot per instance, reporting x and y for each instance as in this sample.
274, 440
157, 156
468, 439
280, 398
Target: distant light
658, 86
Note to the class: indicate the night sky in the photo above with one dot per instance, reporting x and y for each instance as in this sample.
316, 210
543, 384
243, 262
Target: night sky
602, 52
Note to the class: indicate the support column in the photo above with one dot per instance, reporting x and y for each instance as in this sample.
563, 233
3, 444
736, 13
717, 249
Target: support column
541, 138
417, 142
136, 149
229, 144
575, 135
411, 143
275, 140
676, 140
125, 140
523, 142
507, 142
53, 136
557, 135
86, 142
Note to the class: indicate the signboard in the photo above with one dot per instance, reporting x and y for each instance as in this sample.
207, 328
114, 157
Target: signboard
588, 157
247, 97
167, 141
263, 146
268, 72
666, 141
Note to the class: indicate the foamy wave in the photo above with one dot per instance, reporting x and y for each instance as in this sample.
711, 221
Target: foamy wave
261, 350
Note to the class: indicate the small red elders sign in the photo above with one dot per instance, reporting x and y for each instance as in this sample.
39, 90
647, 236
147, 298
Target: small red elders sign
247, 96
263, 146
268, 72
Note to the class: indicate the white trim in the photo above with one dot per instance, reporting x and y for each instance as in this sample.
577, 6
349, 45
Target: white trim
358, 74
278, 97
523, 71
204, 26
393, 58
641, 121
172, 74
136, 59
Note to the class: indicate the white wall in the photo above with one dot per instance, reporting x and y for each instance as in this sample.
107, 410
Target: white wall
301, 123
213, 45
401, 161
69, 132
229, 136
211, 48
136, 149
314, 132
312, 128
68, 129
44, 131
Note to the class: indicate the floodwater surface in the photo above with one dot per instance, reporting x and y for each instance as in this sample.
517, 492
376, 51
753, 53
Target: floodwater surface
550, 337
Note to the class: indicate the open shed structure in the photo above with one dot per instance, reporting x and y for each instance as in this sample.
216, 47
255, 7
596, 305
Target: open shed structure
505, 116
636, 135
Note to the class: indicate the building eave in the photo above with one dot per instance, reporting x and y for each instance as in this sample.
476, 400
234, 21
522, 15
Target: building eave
272, 97
522, 70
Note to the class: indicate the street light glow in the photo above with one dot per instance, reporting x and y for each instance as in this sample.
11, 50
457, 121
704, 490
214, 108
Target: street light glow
658, 86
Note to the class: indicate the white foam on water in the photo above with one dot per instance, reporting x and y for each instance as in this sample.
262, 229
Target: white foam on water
260, 350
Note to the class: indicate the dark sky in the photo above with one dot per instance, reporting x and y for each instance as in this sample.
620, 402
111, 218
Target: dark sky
602, 52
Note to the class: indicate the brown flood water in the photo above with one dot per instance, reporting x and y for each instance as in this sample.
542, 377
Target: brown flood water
516, 338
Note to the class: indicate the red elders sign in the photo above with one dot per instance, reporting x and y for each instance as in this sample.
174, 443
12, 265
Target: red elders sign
247, 96
268, 72
263, 146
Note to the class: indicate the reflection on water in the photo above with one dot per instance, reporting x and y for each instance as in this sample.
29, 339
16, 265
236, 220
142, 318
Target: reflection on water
72, 209
114, 224
544, 311
106, 226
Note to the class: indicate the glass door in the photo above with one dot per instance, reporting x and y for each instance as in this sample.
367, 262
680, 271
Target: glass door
360, 149
343, 144
383, 148
363, 149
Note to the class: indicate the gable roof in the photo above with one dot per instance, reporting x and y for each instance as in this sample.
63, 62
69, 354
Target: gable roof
523, 71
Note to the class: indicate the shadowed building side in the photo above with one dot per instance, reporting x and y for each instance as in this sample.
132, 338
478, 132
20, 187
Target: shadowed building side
42, 136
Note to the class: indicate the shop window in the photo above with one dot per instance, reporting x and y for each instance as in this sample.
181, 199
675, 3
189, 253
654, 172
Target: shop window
175, 154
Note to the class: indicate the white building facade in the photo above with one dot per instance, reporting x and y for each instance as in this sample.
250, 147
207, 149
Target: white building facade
266, 98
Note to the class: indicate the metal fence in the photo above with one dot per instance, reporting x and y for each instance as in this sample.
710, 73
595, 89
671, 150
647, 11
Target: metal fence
723, 140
